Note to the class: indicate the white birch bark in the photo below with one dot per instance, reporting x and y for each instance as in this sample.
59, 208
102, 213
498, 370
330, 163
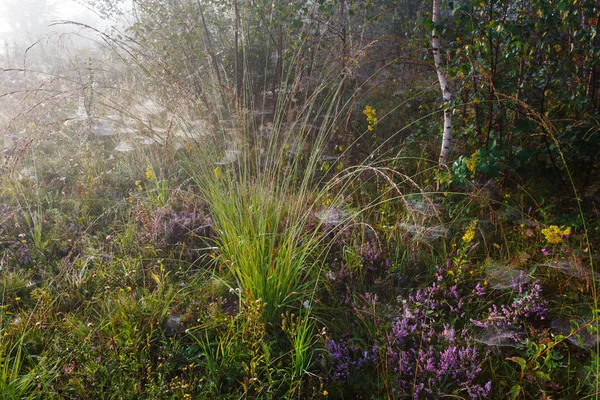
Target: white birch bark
446, 93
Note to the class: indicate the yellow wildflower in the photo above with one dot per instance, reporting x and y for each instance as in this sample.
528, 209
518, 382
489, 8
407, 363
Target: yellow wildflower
555, 235
443, 178
149, 174
217, 172
470, 232
371, 119
471, 164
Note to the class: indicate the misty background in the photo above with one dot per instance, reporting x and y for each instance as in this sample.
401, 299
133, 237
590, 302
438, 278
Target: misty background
24, 22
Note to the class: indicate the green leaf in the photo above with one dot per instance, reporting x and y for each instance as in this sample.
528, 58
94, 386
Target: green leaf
514, 391
428, 24
519, 360
542, 375
523, 126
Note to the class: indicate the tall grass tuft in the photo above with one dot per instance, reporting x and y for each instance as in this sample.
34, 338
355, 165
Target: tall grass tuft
262, 203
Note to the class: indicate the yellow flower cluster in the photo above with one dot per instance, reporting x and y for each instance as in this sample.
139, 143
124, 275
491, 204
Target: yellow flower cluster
554, 234
149, 174
443, 177
471, 164
371, 119
470, 232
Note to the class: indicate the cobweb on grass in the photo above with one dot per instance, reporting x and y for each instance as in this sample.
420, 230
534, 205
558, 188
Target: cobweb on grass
495, 336
331, 215
501, 276
584, 338
424, 233
572, 268
231, 156
423, 207
124, 147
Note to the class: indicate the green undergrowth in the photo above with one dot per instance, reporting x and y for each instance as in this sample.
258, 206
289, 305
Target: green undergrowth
301, 246
225, 283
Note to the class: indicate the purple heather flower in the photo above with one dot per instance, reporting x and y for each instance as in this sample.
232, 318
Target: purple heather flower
527, 304
479, 290
545, 252
424, 352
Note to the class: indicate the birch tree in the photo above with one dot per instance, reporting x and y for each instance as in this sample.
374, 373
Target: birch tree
446, 92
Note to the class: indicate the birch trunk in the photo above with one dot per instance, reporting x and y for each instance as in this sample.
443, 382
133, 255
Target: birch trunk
446, 93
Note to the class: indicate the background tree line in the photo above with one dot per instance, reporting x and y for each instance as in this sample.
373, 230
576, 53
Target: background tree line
525, 74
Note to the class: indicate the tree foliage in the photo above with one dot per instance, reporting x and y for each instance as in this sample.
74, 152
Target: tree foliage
525, 75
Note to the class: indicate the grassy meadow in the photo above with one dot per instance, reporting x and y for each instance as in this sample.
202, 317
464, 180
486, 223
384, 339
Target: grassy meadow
286, 232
